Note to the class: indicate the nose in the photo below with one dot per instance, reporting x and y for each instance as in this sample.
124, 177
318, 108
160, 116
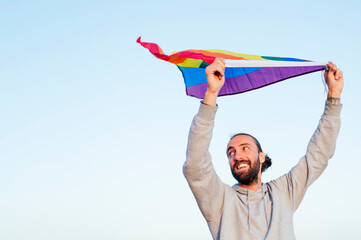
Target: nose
239, 155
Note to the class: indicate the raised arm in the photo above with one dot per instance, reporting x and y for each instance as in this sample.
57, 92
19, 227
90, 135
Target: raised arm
322, 144
215, 81
206, 186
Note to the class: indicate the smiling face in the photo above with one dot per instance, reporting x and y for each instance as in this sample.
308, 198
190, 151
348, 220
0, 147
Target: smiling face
245, 159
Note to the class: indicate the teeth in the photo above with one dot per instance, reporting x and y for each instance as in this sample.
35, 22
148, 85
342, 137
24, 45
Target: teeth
242, 166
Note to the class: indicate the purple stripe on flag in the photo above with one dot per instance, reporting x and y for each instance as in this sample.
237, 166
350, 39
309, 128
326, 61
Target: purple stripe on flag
254, 80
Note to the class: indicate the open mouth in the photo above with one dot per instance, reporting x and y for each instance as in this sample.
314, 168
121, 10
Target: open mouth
242, 166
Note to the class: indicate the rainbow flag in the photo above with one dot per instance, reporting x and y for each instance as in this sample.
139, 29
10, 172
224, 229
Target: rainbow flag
243, 72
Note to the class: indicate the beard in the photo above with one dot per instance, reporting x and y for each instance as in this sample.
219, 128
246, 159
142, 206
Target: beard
247, 177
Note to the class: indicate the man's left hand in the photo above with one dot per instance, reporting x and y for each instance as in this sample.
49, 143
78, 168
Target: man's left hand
334, 81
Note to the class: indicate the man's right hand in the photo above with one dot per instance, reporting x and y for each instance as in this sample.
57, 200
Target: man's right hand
215, 80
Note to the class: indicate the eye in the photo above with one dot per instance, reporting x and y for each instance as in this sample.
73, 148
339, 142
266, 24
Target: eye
245, 148
230, 154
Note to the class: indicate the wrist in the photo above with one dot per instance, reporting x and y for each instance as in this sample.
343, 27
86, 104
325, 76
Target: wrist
212, 92
333, 94
210, 97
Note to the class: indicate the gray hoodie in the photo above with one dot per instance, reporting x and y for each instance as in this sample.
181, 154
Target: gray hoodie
238, 213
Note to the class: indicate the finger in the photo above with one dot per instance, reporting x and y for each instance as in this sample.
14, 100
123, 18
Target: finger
220, 61
219, 69
329, 65
214, 66
219, 72
334, 68
223, 61
221, 66
330, 72
337, 74
219, 75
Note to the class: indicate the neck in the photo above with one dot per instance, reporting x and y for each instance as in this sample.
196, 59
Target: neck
255, 185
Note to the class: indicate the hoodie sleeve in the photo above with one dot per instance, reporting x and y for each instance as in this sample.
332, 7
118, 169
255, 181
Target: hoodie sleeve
198, 169
319, 150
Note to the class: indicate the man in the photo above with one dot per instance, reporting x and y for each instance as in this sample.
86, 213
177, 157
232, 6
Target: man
252, 209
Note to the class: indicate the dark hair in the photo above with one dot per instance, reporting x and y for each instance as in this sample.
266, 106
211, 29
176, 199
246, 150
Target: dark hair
268, 161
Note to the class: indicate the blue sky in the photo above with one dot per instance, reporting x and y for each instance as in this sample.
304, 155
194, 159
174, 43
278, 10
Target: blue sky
93, 128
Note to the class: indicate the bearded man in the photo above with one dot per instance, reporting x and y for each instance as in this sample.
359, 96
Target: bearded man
252, 209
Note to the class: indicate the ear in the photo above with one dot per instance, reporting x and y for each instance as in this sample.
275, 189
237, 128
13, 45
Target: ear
262, 158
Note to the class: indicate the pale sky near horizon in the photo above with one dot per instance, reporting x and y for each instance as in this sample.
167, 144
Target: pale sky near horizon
94, 128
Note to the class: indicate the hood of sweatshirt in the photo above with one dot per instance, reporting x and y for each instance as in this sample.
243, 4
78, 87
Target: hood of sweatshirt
247, 196
253, 196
